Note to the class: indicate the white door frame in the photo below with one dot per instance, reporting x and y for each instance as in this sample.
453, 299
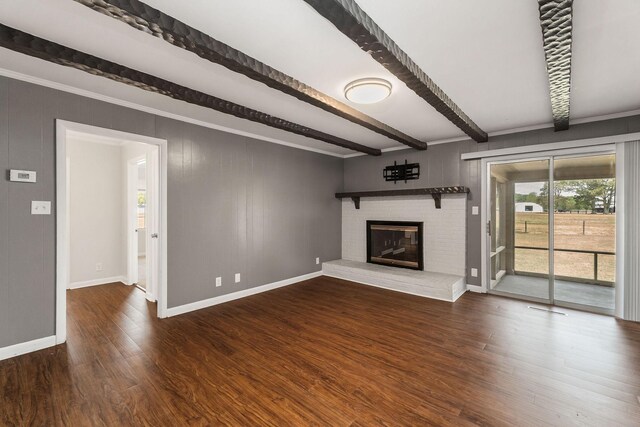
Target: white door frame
605, 148
63, 128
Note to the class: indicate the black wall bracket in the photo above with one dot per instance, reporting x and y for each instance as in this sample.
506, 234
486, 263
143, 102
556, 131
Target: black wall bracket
437, 198
356, 202
401, 172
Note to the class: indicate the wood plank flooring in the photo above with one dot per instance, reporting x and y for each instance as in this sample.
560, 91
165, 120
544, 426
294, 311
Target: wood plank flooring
327, 352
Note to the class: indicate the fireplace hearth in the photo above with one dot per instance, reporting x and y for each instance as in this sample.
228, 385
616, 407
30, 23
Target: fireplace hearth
395, 243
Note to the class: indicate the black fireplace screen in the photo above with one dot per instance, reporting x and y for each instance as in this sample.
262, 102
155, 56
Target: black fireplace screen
395, 243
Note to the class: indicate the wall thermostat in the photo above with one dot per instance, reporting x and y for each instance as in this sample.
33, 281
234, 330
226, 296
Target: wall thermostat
22, 176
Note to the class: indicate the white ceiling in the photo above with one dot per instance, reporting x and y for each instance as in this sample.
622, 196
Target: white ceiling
487, 56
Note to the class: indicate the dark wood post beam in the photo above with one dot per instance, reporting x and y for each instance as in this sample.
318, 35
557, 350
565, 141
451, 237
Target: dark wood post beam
347, 16
145, 18
28, 44
556, 23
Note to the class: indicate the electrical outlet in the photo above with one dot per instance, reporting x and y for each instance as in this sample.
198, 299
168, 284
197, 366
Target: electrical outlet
474, 272
218, 282
474, 210
40, 208
317, 260
237, 277
98, 266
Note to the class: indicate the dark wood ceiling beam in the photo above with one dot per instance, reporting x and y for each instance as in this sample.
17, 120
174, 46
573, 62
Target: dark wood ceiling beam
31, 45
352, 21
145, 18
556, 23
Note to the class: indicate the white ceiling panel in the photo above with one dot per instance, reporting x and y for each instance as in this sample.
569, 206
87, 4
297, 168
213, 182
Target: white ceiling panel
605, 77
486, 55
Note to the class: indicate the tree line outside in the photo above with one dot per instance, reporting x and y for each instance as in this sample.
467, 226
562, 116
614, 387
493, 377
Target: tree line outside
570, 195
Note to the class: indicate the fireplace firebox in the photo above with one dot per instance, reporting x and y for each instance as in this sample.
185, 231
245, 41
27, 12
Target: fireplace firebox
395, 243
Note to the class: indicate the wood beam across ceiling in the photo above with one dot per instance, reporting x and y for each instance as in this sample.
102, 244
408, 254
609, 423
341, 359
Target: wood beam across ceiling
556, 22
19, 41
352, 21
157, 23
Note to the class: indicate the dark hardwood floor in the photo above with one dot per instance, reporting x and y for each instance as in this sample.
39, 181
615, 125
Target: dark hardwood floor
327, 352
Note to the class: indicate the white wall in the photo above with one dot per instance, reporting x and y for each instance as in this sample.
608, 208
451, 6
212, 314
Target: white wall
95, 207
444, 229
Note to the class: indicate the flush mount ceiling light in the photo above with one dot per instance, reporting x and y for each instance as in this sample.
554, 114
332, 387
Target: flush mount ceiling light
367, 91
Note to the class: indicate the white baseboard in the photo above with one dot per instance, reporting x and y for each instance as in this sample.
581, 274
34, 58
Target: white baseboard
186, 308
96, 282
27, 347
475, 288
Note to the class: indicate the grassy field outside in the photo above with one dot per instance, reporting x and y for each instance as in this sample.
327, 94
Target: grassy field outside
591, 232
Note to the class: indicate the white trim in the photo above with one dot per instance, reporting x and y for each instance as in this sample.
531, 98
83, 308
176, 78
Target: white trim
150, 110
383, 150
476, 288
520, 129
63, 127
198, 305
484, 209
97, 282
604, 117
62, 232
93, 95
27, 347
537, 148
514, 131
95, 139
335, 276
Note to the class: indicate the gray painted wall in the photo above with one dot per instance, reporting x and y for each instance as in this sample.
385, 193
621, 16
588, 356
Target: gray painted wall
235, 205
441, 166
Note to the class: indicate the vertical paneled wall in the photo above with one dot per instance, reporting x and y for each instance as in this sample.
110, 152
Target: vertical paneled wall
441, 166
235, 205
258, 209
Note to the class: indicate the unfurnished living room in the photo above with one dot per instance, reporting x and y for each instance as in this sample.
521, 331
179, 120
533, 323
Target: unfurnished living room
320, 212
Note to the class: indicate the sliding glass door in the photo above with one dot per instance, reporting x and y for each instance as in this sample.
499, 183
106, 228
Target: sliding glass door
584, 231
551, 230
519, 229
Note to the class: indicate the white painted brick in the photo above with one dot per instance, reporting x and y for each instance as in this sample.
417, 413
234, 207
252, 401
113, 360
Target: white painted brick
444, 229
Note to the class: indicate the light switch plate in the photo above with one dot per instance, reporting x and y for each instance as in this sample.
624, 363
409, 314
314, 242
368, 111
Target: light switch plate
474, 210
218, 282
40, 208
474, 272
237, 277
317, 260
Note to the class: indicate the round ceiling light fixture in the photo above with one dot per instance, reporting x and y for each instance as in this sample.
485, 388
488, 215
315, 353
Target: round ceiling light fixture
367, 91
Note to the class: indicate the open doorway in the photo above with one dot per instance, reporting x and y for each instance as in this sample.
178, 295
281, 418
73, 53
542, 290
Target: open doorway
111, 213
140, 205
552, 229
142, 211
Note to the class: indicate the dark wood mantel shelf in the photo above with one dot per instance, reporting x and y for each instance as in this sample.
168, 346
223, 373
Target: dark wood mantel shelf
435, 192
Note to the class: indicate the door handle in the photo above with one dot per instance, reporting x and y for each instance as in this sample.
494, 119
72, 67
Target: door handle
154, 236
